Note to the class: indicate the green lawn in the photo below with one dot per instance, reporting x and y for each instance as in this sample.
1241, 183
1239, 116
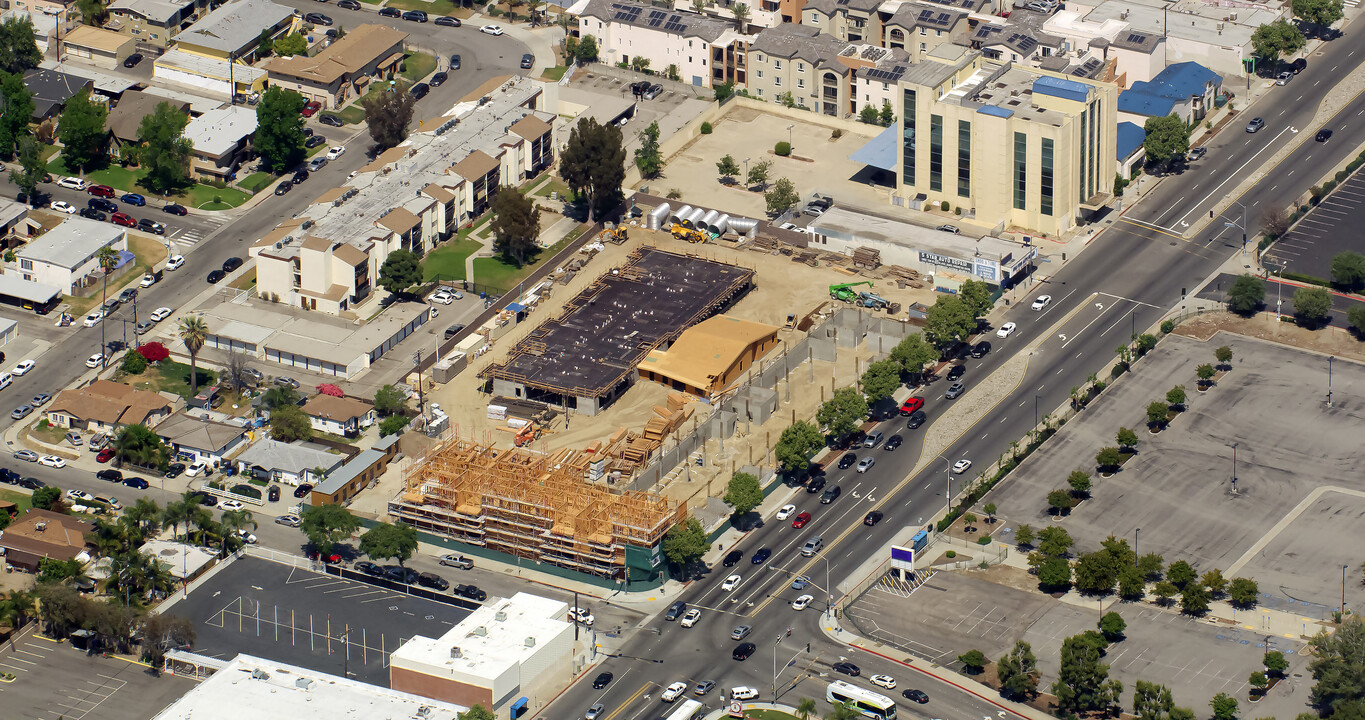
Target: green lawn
352, 114
554, 74
494, 272
439, 7
256, 182
769, 715
126, 180
21, 501
208, 197
171, 376
552, 186
448, 261
418, 65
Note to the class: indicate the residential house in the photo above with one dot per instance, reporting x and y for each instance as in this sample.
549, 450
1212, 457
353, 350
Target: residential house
44, 26
105, 406
101, 48
42, 534
125, 118
339, 415
204, 73
200, 438
706, 51
233, 31
1129, 148
1136, 54
344, 483
153, 23
1185, 90
51, 89
220, 138
343, 70
67, 256
288, 463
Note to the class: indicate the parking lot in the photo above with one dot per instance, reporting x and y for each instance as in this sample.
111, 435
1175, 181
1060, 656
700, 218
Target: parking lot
672, 108
55, 680
1332, 227
304, 618
1177, 498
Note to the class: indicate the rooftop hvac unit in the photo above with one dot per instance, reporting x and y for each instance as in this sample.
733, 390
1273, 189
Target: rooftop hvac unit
303, 683
530, 641
500, 616
424, 711
481, 631
40, 526
456, 653
260, 674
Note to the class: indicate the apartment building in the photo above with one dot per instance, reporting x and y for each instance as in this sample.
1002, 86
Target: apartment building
918, 28
232, 32
153, 23
1137, 56
804, 64
343, 70
856, 21
706, 51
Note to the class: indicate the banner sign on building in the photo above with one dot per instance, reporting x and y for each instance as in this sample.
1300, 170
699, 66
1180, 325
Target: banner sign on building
958, 264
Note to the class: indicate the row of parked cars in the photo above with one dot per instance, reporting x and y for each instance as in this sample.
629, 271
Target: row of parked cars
408, 576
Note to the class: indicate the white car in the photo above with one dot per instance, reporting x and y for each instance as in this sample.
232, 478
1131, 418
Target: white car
491, 30
23, 367
961, 466
176, 262
785, 512
674, 691
731, 583
231, 505
95, 360
289, 520
582, 615
1042, 302
246, 537
79, 495
196, 469
691, 618
160, 314
52, 461
72, 183
1005, 330
443, 298
63, 206
148, 280
94, 317
743, 692
802, 602
885, 681
336, 152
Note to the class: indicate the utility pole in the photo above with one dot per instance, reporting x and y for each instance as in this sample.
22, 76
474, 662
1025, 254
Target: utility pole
421, 396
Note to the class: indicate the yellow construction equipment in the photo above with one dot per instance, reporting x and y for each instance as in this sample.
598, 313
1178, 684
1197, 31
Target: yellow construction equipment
616, 235
682, 232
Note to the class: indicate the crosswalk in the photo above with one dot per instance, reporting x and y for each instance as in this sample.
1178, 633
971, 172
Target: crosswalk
189, 237
1351, 3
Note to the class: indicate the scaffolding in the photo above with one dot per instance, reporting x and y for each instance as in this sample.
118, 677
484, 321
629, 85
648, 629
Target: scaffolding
533, 505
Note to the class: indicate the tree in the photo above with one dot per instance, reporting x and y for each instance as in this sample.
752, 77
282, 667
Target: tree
948, 321
1132, 585
758, 174
1258, 681
1180, 574
976, 295
515, 225
1223, 355
1167, 137
18, 46
1023, 536
1108, 458
1164, 590
781, 197
279, 134
390, 540
586, 50
1348, 269
165, 151
1275, 664
648, 158
193, 332
1273, 40
237, 373
327, 524
1083, 683
392, 424
31, 168
388, 113
401, 270
1152, 701
45, 497
1112, 626
685, 543
887, 116
288, 424
806, 706
741, 16
107, 259
265, 43
1054, 574
1338, 667
1355, 316
1194, 600
1079, 480
968, 520
1096, 573
133, 363
1176, 396
83, 132
1018, 672
869, 115
1126, 438
1224, 707
1318, 12
389, 401
1215, 582
291, 44
1054, 541
18, 108
841, 414
1060, 501
1246, 295
593, 165
1158, 413
743, 493
797, 444
843, 711
989, 509
881, 379
728, 168
233, 521
1205, 373
974, 661
913, 353
1311, 305
278, 397
478, 712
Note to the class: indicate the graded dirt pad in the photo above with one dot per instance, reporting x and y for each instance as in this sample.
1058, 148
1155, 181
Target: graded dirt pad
1178, 489
1328, 341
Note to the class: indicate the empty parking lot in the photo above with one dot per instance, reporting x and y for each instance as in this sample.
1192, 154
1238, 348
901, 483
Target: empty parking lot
1332, 227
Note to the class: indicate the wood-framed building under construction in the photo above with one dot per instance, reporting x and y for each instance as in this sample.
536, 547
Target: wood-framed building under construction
537, 506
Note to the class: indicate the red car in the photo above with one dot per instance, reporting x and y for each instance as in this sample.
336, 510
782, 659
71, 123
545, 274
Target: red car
911, 405
123, 219
801, 520
311, 108
105, 455
103, 191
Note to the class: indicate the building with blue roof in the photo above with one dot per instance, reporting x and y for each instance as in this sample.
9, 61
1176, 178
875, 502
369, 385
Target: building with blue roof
1129, 149
1185, 90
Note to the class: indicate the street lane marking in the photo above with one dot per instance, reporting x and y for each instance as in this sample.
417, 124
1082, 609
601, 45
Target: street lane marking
629, 700
1233, 174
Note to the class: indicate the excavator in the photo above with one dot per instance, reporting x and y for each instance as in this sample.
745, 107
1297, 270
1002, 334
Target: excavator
616, 234
845, 291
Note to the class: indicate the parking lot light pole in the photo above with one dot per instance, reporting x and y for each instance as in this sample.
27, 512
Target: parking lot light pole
1330, 358
1343, 591
1135, 541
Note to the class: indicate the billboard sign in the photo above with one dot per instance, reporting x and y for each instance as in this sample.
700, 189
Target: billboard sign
902, 558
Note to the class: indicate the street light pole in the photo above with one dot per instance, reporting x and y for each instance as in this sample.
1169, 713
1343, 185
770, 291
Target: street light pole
829, 592
1343, 591
1278, 285
775, 644
1234, 467
1135, 541
1330, 358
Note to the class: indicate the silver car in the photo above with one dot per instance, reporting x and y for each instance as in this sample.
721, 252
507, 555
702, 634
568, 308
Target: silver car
956, 390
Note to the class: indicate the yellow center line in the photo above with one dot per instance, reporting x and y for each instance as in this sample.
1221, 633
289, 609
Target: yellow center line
1153, 229
629, 700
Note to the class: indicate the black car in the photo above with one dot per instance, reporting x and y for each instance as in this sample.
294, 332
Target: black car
203, 498
830, 495
136, 482
9, 476
174, 470
915, 696
981, 349
92, 214
956, 372
893, 442
390, 12
348, 5
368, 568
847, 668
175, 209
314, 141
231, 264
317, 19
815, 485
283, 188
273, 494
1323, 135
103, 205
151, 226
32, 483
438, 79
299, 176
470, 591
601, 680
398, 573
639, 88
420, 90
917, 419
743, 652
331, 120
455, 61
761, 556
132, 60
109, 475
528, 61
733, 558
216, 277
847, 461
433, 581
448, 21
303, 490
873, 517
453, 330
415, 16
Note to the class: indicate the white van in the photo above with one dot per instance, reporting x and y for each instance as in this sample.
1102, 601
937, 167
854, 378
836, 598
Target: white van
5, 380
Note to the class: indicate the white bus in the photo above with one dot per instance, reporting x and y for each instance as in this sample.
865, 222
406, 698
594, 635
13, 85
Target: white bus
873, 705
688, 710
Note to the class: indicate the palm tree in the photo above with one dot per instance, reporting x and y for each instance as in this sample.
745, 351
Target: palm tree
106, 258
111, 535
741, 16
805, 708
202, 519
178, 511
145, 515
843, 711
193, 332
232, 521
140, 446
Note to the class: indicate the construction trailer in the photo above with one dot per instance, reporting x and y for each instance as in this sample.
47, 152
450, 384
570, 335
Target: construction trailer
537, 506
